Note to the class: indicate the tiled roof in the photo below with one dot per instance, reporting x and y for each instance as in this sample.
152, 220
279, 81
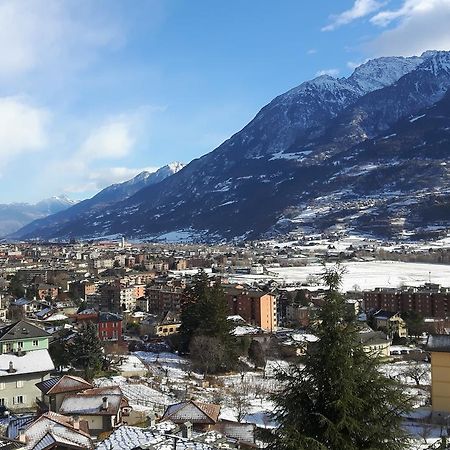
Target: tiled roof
51, 428
209, 410
21, 330
66, 383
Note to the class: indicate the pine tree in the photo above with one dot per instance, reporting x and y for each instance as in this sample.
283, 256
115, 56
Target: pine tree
337, 400
86, 352
204, 314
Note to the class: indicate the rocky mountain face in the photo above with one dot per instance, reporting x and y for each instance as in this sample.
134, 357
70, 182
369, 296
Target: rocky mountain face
367, 153
93, 207
14, 216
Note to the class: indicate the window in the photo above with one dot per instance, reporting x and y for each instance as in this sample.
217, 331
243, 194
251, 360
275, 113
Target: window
3, 402
19, 383
19, 400
8, 347
20, 345
35, 343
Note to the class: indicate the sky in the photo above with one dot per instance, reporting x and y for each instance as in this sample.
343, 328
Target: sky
92, 92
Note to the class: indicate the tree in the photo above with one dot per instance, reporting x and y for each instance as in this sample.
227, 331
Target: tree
16, 287
208, 354
86, 352
414, 322
256, 354
337, 400
239, 400
205, 314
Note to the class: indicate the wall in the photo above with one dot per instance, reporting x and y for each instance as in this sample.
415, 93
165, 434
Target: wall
440, 382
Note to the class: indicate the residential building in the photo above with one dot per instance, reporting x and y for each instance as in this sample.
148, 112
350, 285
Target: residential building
19, 375
23, 336
109, 326
53, 390
391, 323
439, 347
254, 306
53, 431
101, 408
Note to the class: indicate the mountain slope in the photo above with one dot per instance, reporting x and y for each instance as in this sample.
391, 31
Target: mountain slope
302, 157
16, 215
106, 197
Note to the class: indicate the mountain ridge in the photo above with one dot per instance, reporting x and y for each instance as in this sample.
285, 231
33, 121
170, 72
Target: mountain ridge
255, 183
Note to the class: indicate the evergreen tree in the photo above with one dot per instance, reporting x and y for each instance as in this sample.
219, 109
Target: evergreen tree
205, 314
86, 352
337, 400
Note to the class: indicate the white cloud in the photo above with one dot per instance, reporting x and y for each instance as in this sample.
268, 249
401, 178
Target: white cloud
107, 176
23, 128
418, 25
311, 51
360, 9
112, 140
40, 33
331, 72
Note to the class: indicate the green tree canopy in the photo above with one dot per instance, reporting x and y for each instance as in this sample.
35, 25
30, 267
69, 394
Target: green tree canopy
337, 400
205, 314
85, 351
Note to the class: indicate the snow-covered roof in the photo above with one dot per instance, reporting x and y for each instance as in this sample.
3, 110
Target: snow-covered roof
30, 362
55, 428
87, 404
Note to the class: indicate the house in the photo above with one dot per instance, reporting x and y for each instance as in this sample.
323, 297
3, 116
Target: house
46, 291
202, 415
109, 326
53, 390
101, 408
163, 325
390, 322
439, 347
23, 336
375, 343
24, 361
19, 375
54, 431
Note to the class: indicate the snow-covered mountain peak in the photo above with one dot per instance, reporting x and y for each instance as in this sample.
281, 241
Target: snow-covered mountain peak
437, 62
175, 166
381, 72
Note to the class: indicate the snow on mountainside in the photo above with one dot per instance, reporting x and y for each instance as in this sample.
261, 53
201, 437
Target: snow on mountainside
330, 154
104, 198
15, 215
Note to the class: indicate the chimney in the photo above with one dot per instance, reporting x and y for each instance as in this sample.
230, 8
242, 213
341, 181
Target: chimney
186, 430
22, 437
11, 367
105, 403
76, 422
151, 420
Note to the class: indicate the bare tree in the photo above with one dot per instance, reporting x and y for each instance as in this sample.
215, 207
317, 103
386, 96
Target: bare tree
240, 401
417, 371
207, 354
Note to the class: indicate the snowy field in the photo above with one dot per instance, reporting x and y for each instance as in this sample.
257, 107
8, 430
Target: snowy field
364, 275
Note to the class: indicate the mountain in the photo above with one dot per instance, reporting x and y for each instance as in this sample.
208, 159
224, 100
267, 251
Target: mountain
14, 216
367, 153
94, 206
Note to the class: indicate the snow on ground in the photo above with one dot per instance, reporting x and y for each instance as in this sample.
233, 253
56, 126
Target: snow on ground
167, 364
364, 274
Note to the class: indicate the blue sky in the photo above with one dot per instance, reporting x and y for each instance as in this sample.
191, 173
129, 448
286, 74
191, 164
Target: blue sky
94, 91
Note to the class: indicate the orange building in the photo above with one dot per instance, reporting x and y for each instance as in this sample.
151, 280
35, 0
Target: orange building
254, 306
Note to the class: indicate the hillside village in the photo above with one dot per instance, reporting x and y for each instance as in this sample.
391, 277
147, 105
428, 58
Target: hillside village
146, 392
